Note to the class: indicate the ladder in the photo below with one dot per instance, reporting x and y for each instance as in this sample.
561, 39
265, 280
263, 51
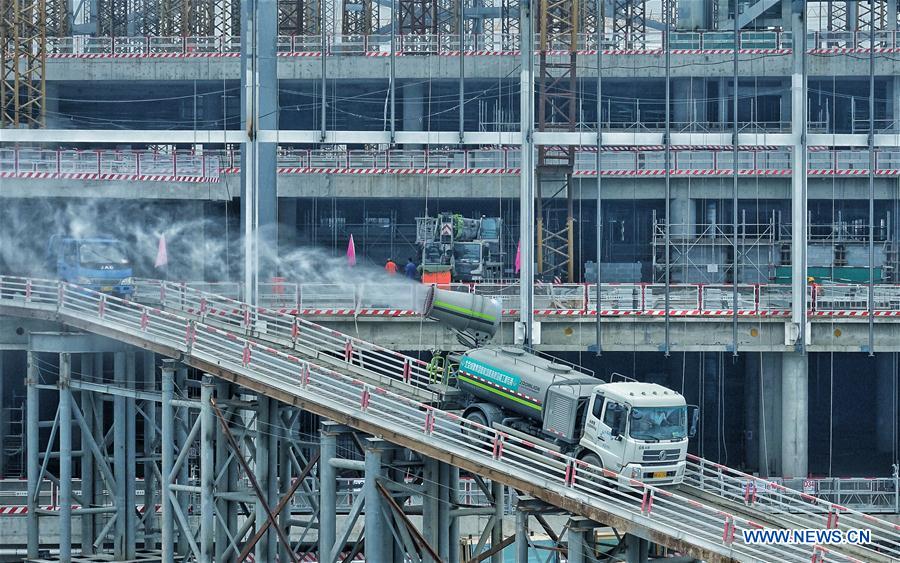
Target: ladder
14, 441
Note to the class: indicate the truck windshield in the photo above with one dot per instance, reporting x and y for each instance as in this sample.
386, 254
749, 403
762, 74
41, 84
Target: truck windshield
102, 253
467, 252
490, 228
659, 423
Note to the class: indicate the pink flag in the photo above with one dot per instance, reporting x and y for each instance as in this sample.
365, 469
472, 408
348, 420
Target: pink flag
519, 257
162, 256
351, 252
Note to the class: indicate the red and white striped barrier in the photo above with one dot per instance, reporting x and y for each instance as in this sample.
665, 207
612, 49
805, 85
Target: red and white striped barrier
108, 177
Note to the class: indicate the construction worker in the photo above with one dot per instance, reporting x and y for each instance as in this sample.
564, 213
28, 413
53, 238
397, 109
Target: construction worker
410, 269
390, 267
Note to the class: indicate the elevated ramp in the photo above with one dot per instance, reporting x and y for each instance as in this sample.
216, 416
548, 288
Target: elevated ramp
341, 352
696, 528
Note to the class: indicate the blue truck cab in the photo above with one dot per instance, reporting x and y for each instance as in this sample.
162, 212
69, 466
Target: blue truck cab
100, 264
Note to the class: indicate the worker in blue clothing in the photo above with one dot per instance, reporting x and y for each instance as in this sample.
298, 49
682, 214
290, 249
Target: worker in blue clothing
410, 269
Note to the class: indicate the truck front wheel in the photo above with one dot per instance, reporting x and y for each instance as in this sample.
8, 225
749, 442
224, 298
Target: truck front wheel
596, 464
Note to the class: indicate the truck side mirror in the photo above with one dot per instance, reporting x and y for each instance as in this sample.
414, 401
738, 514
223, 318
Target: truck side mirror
694, 417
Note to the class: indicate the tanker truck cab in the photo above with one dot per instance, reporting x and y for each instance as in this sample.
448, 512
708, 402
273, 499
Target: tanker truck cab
638, 430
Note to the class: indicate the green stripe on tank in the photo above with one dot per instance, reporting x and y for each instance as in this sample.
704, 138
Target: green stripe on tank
465, 311
480, 385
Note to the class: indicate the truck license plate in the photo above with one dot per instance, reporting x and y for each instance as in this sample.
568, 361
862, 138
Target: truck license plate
659, 474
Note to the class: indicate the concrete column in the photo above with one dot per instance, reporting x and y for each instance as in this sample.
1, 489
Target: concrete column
751, 411
684, 213
120, 457
414, 107
207, 469
795, 414
151, 488
769, 442
327, 493
378, 539
521, 537
498, 491
885, 400
167, 447
91, 366
3, 417
32, 429
891, 23
689, 100
798, 181
130, 459
893, 89
65, 458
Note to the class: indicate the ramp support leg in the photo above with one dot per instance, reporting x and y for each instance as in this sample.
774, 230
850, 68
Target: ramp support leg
636, 549
377, 538
498, 491
521, 536
327, 492
167, 447
207, 469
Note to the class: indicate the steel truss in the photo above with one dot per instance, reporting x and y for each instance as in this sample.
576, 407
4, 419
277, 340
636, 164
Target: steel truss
360, 17
419, 17
629, 23
23, 34
299, 17
226, 473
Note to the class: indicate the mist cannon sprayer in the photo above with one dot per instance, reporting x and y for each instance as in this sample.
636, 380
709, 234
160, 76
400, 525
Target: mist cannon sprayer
474, 318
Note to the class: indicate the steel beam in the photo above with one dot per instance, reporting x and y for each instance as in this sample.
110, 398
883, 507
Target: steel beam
521, 536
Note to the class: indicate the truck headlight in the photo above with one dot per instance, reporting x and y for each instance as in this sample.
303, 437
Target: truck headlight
635, 472
82, 280
127, 281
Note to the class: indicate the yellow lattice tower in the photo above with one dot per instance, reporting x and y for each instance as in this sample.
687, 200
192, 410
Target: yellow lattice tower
24, 39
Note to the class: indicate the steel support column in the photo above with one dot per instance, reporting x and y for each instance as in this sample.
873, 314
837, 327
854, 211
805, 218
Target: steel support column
798, 181
526, 176
327, 492
263, 474
378, 540
795, 414
167, 448
130, 421
521, 536
151, 532
120, 457
65, 458
182, 419
33, 430
207, 469
91, 366
498, 492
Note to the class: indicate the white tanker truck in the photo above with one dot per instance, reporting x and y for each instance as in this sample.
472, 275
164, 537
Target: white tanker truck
638, 430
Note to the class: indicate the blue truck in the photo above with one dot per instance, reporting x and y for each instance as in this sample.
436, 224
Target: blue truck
100, 264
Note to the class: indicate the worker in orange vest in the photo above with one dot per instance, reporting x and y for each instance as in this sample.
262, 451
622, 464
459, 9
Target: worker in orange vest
390, 267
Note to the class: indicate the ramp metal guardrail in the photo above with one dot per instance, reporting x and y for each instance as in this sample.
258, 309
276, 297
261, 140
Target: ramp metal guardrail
380, 363
702, 530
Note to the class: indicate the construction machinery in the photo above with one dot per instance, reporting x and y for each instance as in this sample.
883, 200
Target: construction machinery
459, 249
